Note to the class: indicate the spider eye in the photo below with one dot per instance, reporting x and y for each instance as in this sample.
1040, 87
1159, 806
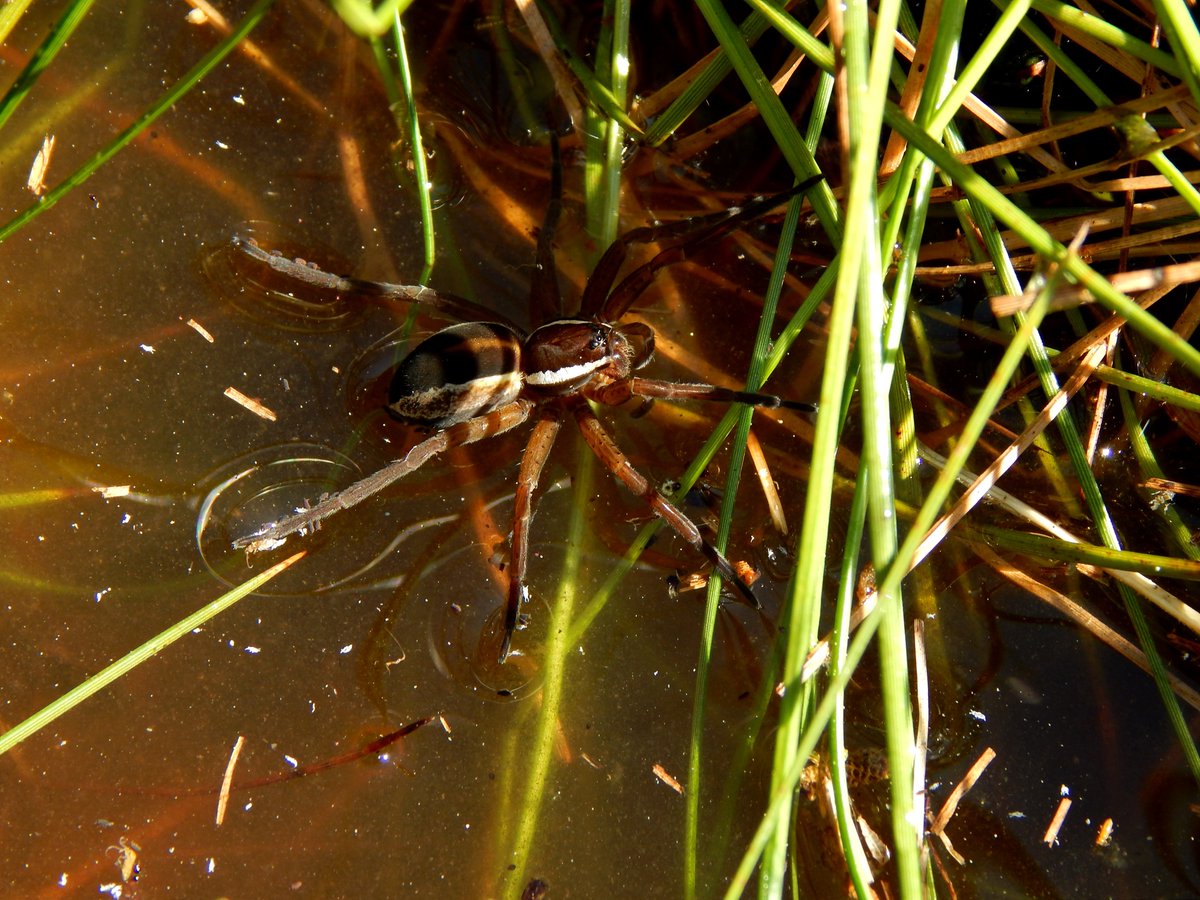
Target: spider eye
598, 340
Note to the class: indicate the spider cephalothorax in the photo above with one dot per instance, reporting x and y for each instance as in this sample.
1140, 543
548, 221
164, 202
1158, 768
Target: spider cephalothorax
477, 379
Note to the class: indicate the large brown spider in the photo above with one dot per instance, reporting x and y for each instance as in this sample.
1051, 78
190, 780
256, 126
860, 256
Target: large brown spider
478, 379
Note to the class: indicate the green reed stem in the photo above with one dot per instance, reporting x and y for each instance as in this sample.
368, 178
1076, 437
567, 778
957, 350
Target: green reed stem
603, 96
169, 99
856, 860
1179, 22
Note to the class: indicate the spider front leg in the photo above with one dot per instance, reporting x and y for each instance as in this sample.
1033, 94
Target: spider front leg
495, 422
532, 463
673, 390
608, 304
615, 461
308, 277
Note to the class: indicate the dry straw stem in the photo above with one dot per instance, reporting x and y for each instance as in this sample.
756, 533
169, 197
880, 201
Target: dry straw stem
1080, 616
946, 813
1127, 282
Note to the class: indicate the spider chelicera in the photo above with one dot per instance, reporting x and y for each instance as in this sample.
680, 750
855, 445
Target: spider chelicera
478, 379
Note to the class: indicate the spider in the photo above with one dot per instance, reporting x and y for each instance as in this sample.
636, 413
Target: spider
479, 379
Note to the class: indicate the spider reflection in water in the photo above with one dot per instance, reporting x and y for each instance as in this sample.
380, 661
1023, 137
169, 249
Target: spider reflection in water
478, 379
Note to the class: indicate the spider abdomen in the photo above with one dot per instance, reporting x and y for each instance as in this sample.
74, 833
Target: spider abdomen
460, 372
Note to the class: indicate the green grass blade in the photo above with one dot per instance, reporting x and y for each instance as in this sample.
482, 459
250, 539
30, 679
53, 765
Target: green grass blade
1179, 22
10, 15
420, 169
136, 657
775, 116
45, 55
754, 380
538, 752
180, 88
1043, 547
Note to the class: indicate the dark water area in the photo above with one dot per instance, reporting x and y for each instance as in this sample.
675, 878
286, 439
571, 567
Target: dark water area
128, 470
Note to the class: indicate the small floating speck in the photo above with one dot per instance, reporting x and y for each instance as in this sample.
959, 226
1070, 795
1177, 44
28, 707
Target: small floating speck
147, 348
221, 145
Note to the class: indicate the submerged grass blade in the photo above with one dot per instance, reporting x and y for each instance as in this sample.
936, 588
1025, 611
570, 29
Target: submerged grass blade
1091, 554
136, 657
45, 55
538, 753
10, 15
169, 99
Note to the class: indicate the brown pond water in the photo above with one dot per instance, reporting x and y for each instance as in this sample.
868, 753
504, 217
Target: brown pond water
109, 380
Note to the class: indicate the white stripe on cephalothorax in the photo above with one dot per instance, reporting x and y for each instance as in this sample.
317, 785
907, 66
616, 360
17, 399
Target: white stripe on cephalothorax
566, 374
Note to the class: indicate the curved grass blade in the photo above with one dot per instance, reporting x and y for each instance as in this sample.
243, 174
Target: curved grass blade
410, 122
367, 20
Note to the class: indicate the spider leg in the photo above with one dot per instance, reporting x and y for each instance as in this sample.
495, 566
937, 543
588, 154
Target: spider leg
615, 461
496, 422
314, 278
692, 233
536, 452
670, 390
